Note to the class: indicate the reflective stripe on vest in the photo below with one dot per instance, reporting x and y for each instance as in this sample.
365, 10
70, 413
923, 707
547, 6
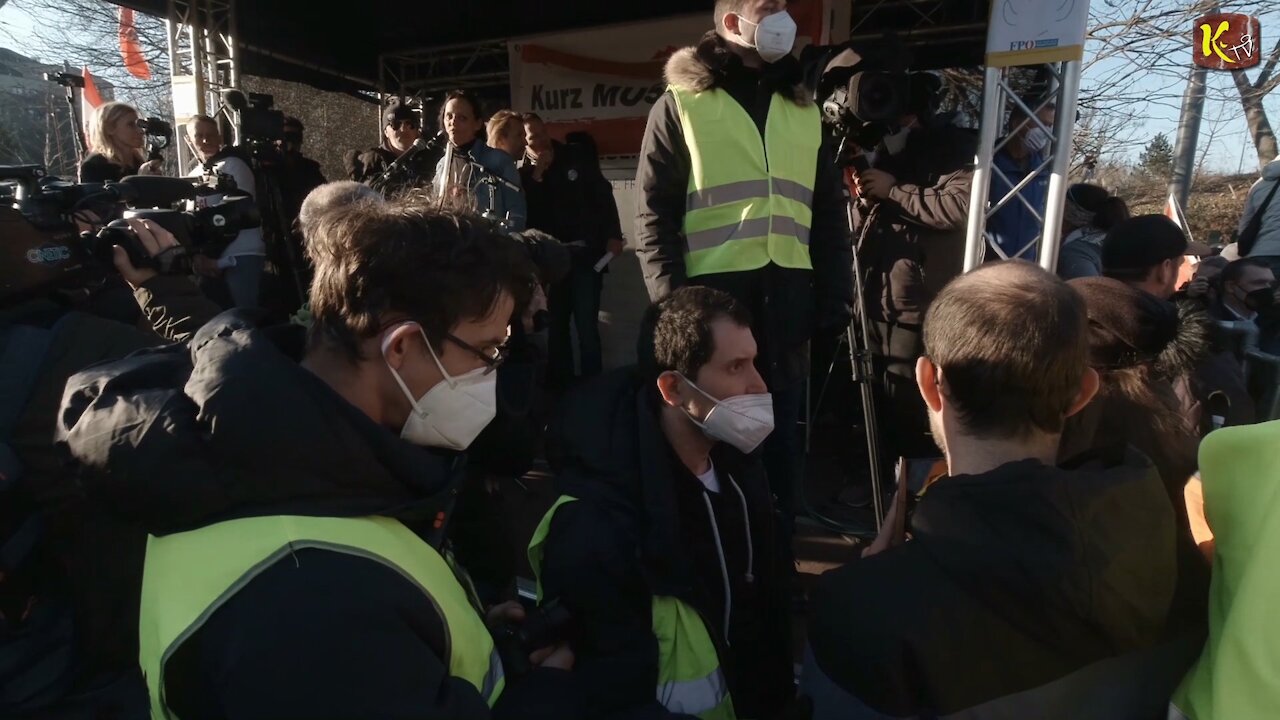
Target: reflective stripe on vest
188, 576
690, 680
750, 200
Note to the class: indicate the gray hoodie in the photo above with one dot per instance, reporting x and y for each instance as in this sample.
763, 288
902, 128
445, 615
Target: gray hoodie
1269, 235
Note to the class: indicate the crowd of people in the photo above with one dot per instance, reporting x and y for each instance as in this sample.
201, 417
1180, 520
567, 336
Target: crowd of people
230, 503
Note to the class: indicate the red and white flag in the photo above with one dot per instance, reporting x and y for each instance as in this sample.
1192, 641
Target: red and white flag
135, 61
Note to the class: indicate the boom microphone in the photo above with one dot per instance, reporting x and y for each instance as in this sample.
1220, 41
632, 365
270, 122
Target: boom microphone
154, 190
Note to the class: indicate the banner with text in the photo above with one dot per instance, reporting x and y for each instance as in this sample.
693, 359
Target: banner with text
606, 79
597, 74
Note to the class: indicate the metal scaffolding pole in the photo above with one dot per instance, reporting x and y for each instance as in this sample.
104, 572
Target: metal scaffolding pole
996, 93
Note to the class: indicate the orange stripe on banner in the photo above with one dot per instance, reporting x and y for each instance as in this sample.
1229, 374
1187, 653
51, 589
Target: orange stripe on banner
651, 70
619, 136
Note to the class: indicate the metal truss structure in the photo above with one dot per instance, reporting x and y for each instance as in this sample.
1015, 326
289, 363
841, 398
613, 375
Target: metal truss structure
203, 60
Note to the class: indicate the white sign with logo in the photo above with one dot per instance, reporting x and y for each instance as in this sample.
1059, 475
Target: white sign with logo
1030, 32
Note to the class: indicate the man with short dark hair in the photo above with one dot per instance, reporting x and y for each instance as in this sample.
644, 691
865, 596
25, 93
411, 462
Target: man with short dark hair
473, 175
1147, 252
296, 491
1025, 590
662, 544
570, 199
1248, 288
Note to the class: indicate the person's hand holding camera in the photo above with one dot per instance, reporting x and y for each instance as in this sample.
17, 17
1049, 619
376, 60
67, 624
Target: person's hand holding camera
152, 167
154, 239
557, 656
875, 183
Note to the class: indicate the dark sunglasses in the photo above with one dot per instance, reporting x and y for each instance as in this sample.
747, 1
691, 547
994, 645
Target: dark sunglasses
492, 359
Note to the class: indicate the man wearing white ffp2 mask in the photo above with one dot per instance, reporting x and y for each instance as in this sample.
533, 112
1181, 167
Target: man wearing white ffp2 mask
337, 511
773, 36
660, 479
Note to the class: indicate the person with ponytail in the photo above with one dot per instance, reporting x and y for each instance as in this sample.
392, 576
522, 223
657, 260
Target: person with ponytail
116, 139
1090, 212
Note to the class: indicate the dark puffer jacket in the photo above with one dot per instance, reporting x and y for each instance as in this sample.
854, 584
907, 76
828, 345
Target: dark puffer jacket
231, 426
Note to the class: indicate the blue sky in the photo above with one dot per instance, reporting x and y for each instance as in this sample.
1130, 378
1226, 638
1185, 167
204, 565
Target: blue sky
1225, 151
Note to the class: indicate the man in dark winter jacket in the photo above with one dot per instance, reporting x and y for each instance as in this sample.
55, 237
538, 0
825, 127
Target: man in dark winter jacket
662, 543
401, 129
1026, 590
914, 210
739, 192
295, 510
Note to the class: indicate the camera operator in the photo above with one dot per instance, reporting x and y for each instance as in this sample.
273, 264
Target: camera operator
919, 188
401, 128
395, 379
739, 192
481, 178
117, 139
239, 266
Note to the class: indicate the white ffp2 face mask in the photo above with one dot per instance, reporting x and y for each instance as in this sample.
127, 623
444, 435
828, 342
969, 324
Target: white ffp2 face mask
774, 37
1038, 139
454, 412
743, 421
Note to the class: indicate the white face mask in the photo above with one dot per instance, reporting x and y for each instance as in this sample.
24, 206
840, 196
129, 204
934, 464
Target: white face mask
774, 36
453, 412
1037, 139
743, 421
897, 142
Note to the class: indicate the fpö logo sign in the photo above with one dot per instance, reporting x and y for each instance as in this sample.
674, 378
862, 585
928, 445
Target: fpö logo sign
1227, 41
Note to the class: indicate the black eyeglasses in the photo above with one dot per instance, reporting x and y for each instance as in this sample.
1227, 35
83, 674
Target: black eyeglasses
493, 359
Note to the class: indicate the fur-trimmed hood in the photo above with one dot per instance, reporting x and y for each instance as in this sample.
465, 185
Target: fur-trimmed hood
704, 66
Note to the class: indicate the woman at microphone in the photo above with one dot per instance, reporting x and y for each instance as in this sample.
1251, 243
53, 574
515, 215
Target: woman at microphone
117, 139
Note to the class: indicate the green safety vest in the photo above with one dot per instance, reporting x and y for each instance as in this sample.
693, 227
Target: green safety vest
750, 200
188, 576
1236, 675
690, 680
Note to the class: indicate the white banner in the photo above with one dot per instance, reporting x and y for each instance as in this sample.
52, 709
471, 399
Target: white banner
600, 73
1030, 32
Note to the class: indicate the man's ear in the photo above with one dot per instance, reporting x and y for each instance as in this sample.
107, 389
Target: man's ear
1089, 385
399, 343
669, 388
929, 381
732, 23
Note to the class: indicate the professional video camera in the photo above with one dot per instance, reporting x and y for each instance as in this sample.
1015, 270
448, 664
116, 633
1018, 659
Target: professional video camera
260, 123
43, 249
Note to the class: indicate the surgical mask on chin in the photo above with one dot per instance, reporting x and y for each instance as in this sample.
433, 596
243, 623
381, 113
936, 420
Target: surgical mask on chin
1037, 139
454, 412
743, 421
774, 38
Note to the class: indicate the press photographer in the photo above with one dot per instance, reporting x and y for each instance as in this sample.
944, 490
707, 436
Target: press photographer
235, 274
118, 137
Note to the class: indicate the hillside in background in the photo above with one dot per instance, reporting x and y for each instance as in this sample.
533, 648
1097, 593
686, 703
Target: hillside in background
1215, 205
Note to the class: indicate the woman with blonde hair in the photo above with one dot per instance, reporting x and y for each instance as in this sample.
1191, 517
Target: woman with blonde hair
116, 139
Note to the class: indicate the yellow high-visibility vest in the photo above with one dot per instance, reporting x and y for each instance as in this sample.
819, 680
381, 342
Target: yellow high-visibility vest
188, 576
750, 201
